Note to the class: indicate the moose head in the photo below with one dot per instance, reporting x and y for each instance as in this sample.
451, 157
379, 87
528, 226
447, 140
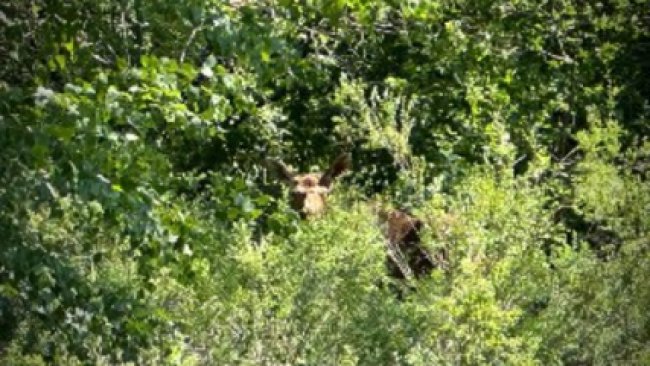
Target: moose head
308, 191
405, 258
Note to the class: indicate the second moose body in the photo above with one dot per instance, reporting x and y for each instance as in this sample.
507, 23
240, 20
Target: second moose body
405, 258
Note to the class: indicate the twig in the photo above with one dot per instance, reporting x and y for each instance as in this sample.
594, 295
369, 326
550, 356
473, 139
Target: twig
190, 39
563, 58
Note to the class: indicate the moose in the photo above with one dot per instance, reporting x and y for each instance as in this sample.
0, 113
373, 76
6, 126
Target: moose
406, 257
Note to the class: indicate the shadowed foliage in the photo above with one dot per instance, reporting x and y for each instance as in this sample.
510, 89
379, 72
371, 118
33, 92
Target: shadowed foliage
142, 220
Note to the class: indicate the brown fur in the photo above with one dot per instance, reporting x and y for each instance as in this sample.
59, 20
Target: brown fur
406, 257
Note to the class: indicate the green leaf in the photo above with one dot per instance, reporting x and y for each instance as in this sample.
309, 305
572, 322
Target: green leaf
60, 61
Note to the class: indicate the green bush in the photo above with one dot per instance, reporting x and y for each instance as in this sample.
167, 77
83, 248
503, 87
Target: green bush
140, 223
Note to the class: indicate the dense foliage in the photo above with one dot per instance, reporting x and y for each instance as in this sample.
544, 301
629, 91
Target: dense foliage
140, 224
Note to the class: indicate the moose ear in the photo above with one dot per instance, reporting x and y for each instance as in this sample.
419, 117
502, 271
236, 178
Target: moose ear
280, 170
342, 163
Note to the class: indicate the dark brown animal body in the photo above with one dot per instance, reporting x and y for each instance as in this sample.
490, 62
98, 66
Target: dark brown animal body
406, 257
